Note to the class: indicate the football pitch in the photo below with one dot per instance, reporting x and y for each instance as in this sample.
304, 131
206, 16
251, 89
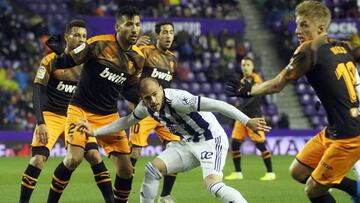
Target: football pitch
188, 187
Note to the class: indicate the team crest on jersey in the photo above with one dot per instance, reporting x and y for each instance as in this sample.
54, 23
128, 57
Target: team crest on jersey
41, 72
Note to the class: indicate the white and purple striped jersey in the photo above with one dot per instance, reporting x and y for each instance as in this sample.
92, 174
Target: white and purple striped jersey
182, 116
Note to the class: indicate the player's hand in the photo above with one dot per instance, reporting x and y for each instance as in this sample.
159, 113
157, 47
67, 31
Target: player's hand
42, 133
143, 40
131, 107
238, 89
55, 43
258, 124
86, 128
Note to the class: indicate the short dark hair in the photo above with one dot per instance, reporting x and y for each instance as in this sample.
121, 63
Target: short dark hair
129, 11
75, 23
159, 24
247, 58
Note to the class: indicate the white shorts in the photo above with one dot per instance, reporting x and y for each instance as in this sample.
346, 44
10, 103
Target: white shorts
180, 156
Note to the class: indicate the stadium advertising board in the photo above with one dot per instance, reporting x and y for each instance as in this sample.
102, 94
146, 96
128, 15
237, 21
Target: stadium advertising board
339, 29
193, 26
279, 142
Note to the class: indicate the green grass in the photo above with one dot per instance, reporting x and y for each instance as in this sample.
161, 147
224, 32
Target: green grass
188, 187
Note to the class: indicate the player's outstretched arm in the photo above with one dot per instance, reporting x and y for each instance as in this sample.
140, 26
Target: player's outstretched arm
114, 127
213, 105
271, 86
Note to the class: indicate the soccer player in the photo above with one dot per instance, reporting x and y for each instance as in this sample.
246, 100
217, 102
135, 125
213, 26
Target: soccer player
52, 92
160, 63
110, 62
204, 142
252, 108
329, 66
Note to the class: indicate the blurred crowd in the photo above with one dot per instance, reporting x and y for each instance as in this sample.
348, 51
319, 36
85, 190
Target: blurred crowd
23, 32
279, 12
224, 9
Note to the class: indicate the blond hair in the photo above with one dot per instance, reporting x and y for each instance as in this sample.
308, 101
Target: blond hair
314, 10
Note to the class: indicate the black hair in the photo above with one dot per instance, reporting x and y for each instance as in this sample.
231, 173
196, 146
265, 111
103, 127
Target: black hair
129, 11
75, 23
159, 24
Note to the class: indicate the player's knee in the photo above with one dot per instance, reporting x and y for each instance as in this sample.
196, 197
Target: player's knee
135, 152
93, 157
151, 172
71, 161
38, 161
299, 172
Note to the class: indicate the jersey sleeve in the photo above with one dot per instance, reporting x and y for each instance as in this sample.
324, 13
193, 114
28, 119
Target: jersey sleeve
184, 101
83, 52
44, 70
140, 112
301, 62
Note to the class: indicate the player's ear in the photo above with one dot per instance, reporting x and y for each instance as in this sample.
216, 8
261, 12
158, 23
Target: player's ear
321, 29
116, 27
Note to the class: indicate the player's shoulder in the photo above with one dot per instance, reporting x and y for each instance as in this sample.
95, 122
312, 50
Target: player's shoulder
257, 78
147, 47
108, 37
137, 50
46, 59
303, 46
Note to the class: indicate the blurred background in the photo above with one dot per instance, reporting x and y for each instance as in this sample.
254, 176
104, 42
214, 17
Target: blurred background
212, 36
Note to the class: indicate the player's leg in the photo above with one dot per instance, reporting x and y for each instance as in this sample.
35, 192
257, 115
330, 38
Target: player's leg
259, 140
139, 134
238, 136
117, 147
337, 159
40, 153
172, 160
212, 163
76, 141
101, 174
63, 172
169, 179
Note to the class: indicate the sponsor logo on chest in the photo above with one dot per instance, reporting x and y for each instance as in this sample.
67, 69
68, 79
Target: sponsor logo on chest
113, 77
66, 87
161, 75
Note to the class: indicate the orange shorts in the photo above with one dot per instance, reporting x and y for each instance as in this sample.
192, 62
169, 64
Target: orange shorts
55, 125
140, 132
240, 131
117, 142
331, 159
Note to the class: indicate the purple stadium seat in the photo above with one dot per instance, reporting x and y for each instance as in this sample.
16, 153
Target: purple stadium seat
217, 87
184, 86
206, 88
301, 88
306, 99
195, 87
309, 110
200, 77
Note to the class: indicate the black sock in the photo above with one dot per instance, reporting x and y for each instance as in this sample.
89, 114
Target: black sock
236, 155
103, 181
122, 188
59, 182
28, 182
237, 160
169, 181
327, 198
347, 185
266, 155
